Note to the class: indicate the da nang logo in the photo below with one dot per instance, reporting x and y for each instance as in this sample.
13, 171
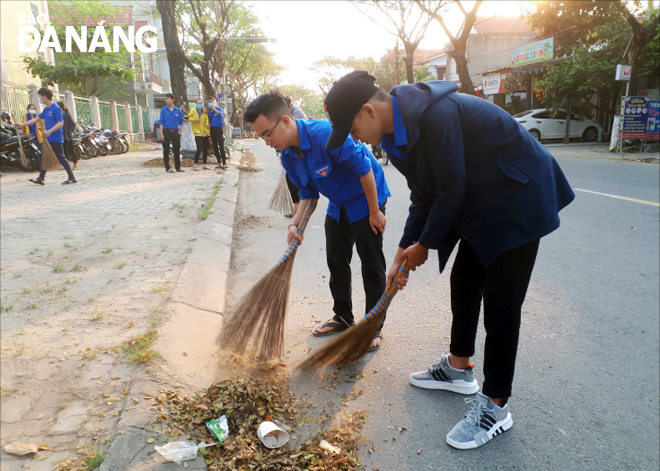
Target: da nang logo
30, 38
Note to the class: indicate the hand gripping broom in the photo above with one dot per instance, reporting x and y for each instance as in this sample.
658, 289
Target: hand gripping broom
354, 343
257, 324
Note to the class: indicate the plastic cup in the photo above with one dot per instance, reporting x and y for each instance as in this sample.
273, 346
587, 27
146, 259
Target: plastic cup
271, 435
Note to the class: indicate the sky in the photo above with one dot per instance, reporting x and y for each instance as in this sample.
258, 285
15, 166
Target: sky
308, 30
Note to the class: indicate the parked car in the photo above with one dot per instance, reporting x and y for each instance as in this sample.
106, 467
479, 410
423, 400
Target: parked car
543, 125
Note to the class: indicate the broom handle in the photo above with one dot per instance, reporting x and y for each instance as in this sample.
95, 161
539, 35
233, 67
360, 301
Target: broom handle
309, 210
385, 300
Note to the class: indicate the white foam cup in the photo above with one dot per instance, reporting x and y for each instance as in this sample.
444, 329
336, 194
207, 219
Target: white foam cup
271, 435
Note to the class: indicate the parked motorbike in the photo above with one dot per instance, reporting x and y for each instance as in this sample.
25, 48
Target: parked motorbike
10, 147
379, 153
10, 155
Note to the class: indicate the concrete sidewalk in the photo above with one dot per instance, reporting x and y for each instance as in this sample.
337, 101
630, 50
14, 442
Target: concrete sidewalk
87, 267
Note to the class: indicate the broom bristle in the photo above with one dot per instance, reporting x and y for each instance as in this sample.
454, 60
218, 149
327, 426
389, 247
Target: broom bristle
281, 201
348, 346
257, 324
48, 158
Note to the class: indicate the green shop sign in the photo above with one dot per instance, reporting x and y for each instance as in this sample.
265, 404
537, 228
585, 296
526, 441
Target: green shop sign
531, 53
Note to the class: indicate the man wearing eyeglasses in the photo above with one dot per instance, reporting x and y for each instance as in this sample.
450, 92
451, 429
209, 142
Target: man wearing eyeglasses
351, 178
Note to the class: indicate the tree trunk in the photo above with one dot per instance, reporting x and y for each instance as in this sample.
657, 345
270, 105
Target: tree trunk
567, 134
408, 60
175, 55
463, 72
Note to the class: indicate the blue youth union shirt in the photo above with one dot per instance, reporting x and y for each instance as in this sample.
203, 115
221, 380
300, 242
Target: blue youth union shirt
51, 116
334, 173
171, 119
215, 114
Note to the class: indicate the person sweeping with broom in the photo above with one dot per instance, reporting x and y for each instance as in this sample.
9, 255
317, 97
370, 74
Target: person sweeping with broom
479, 179
54, 121
351, 178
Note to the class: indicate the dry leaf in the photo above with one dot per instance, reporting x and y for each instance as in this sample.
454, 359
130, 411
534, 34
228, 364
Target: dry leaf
98, 377
185, 353
115, 378
419, 451
128, 326
20, 449
151, 440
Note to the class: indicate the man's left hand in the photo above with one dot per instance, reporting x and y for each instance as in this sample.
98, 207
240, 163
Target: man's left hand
45, 134
416, 255
377, 222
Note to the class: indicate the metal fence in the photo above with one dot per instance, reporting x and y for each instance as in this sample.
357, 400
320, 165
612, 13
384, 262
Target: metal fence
14, 99
105, 110
134, 119
121, 119
84, 111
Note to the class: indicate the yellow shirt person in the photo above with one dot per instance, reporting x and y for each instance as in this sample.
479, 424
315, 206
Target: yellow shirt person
199, 119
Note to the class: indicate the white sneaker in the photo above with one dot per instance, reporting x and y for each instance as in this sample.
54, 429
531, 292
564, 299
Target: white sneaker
443, 376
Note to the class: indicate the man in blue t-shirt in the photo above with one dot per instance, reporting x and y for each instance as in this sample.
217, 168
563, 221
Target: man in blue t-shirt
171, 126
354, 183
217, 138
53, 120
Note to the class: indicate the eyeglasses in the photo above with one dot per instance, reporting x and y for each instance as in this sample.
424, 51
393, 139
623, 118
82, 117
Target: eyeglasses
266, 137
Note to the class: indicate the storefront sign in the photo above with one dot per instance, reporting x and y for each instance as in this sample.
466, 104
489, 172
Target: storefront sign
634, 114
531, 53
493, 84
653, 125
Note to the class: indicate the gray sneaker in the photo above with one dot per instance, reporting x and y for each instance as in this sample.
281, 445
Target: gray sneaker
483, 421
443, 376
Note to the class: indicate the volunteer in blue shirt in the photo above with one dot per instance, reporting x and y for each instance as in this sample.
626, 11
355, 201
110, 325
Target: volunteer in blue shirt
171, 126
354, 183
479, 179
53, 123
217, 137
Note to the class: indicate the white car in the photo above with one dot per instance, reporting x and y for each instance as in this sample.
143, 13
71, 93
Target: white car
542, 125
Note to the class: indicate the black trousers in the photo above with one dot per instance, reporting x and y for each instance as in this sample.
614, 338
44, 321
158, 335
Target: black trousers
502, 286
293, 190
340, 237
69, 152
58, 148
171, 136
218, 141
202, 143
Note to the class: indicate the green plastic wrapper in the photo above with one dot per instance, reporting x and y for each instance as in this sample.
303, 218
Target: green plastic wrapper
219, 428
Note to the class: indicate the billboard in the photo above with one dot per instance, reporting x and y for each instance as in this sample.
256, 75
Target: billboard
532, 53
653, 124
634, 114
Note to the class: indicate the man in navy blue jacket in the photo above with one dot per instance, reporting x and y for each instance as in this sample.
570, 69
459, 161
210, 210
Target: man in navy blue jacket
351, 178
478, 178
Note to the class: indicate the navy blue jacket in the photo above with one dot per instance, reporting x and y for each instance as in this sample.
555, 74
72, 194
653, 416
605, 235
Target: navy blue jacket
474, 173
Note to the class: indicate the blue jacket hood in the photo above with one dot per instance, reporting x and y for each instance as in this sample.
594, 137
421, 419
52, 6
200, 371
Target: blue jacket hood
415, 99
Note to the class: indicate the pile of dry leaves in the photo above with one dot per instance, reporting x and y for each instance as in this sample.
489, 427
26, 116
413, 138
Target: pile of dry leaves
248, 402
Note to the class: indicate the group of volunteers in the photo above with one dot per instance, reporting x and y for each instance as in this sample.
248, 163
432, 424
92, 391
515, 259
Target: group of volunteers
477, 179
206, 119
58, 132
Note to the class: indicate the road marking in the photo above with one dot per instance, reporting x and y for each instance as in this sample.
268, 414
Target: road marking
620, 197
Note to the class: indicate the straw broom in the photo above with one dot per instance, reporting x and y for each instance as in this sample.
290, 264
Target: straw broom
354, 343
24, 161
48, 158
257, 324
281, 201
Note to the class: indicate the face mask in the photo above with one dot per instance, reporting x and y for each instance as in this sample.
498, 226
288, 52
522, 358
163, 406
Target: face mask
210, 105
32, 111
41, 101
199, 107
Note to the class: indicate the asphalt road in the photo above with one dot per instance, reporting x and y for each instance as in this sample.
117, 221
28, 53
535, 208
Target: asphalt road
586, 388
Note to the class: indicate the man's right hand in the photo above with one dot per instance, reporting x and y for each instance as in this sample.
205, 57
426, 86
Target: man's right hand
398, 260
292, 233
